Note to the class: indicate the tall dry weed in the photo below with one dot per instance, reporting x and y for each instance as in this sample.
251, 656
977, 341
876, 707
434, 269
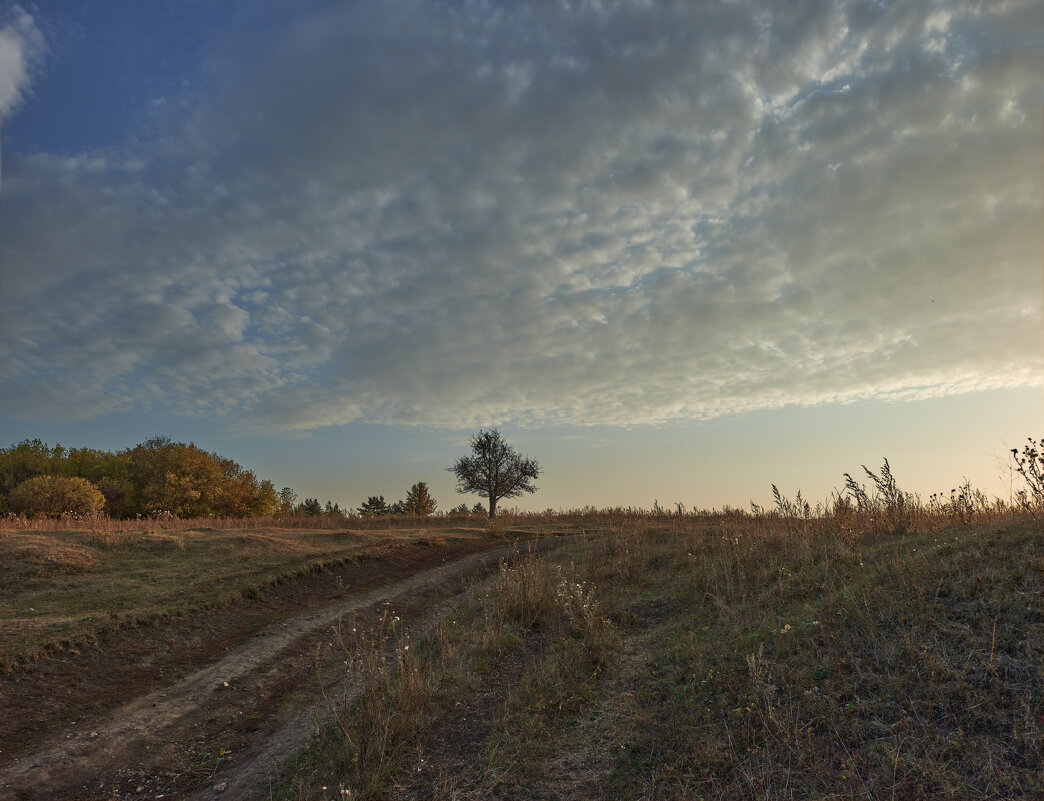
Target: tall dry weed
384, 697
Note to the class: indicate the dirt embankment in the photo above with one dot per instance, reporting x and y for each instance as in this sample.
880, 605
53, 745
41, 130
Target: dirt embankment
209, 706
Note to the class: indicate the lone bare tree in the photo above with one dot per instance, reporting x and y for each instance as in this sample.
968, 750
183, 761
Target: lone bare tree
495, 470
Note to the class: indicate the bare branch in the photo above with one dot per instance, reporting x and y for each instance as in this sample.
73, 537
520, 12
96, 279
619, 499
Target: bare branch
495, 469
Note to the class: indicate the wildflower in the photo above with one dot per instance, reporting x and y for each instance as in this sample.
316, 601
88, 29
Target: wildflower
785, 629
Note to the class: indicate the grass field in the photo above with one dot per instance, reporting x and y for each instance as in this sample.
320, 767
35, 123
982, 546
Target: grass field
739, 658
875, 654
62, 587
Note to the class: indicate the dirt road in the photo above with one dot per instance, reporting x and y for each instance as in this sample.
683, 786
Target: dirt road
224, 730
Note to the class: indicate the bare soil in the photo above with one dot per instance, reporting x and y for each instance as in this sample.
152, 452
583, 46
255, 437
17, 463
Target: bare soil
212, 704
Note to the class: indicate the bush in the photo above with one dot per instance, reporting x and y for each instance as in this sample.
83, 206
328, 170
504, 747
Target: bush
53, 496
1030, 465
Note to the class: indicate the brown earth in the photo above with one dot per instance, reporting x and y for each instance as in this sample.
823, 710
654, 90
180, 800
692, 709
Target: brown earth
212, 704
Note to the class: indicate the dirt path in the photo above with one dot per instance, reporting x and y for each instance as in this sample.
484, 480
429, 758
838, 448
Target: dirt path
251, 776
220, 732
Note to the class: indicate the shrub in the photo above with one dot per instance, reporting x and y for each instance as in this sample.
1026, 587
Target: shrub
53, 496
1030, 465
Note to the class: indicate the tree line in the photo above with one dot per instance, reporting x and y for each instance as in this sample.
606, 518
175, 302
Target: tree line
162, 477
495, 471
417, 503
158, 476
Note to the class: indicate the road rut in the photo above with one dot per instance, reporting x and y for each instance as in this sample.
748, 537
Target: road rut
98, 761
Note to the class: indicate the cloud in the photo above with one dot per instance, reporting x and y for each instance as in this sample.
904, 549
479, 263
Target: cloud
21, 47
599, 213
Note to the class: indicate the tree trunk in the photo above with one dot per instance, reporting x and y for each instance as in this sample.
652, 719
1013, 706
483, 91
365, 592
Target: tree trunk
492, 505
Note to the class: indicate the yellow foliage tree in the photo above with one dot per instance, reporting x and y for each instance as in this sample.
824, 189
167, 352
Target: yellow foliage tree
53, 496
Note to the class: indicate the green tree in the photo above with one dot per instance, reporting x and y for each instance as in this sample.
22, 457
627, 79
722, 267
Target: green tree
495, 470
53, 496
374, 506
312, 507
27, 459
419, 501
287, 500
266, 502
85, 463
114, 479
176, 478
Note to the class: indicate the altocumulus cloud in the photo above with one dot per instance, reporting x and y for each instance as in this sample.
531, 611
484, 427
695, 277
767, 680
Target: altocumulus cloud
21, 49
620, 212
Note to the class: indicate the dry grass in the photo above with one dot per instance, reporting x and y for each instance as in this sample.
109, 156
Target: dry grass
751, 657
871, 669
875, 647
385, 689
61, 588
285, 544
42, 554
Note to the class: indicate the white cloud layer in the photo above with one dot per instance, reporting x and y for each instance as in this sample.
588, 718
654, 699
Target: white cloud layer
620, 212
21, 46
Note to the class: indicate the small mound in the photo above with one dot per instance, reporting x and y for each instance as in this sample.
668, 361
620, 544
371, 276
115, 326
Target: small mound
42, 554
108, 539
258, 540
162, 538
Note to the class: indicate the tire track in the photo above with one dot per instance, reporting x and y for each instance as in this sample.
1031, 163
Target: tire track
71, 764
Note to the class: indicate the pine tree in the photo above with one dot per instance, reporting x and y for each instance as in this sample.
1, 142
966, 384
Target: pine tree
419, 501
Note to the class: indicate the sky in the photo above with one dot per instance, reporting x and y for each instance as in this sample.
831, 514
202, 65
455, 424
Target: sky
675, 251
